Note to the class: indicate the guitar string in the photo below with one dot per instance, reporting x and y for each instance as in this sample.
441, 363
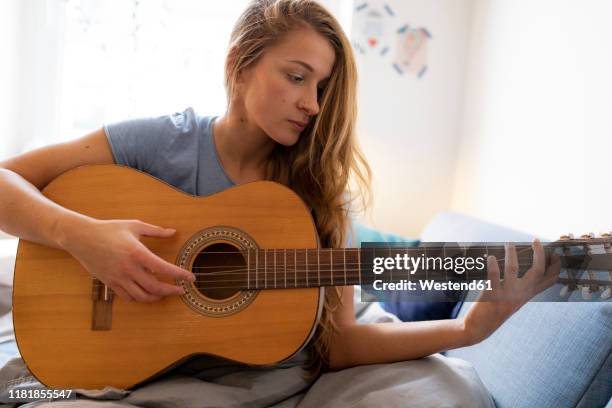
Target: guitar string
518, 246
303, 280
280, 270
351, 274
339, 265
520, 256
582, 282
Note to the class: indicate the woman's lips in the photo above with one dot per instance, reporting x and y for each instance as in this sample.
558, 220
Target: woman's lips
297, 125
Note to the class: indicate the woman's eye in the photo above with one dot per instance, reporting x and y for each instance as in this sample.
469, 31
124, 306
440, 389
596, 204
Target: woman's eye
295, 78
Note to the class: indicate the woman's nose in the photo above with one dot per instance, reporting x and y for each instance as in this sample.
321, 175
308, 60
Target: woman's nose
310, 103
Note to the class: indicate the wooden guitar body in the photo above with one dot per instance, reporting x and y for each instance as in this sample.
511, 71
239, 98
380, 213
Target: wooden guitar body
65, 345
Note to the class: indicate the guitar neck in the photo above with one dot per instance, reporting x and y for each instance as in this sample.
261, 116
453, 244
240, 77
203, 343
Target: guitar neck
318, 267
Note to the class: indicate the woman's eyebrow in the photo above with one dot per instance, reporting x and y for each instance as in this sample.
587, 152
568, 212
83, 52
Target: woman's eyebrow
305, 65
302, 63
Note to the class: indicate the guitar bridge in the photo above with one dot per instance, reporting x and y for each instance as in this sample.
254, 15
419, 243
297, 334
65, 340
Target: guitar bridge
102, 312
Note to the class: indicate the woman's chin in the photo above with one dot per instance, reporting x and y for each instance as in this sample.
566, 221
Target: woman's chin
287, 140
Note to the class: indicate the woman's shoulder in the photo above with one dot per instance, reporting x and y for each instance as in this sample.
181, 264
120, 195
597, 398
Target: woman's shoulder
143, 142
179, 122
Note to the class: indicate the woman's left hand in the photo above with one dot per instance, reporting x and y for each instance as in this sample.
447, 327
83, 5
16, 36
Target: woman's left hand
493, 307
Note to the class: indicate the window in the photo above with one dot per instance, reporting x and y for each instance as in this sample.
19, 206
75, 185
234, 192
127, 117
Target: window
141, 58
135, 58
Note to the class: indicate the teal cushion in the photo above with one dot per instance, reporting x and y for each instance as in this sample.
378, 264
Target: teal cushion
367, 234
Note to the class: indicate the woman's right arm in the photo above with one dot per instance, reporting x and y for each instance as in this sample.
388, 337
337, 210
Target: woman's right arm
116, 256
24, 211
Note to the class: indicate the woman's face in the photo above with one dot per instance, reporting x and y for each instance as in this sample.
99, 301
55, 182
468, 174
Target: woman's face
284, 86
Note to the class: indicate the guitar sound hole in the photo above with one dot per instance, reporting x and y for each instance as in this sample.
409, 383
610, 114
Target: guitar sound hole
220, 269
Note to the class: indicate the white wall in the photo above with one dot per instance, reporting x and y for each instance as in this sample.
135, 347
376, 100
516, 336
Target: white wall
536, 139
9, 66
410, 127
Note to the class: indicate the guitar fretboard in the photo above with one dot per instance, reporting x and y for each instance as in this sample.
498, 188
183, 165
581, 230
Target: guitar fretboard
305, 268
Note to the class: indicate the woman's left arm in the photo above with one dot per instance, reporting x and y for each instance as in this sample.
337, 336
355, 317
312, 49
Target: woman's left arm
356, 344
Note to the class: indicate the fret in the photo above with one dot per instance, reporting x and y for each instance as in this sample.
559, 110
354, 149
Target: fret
390, 256
285, 255
265, 268
344, 261
319, 265
425, 266
331, 266
465, 273
359, 265
295, 267
408, 276
256, 268
274, 268
444, 257
306, 252
248, 269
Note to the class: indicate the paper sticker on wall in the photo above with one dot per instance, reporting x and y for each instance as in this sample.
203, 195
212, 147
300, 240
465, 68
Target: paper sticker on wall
375, 33
372, 29
411, 50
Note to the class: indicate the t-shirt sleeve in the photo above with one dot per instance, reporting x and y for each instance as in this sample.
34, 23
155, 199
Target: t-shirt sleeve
145, 143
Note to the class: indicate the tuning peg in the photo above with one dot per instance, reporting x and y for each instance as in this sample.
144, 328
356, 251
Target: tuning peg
586, 293
607, 294
565, 292
606, 235
588, 235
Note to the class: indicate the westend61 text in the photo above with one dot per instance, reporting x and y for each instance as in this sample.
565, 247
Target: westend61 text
432, 285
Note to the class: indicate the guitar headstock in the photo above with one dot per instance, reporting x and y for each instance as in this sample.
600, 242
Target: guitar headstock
586, 265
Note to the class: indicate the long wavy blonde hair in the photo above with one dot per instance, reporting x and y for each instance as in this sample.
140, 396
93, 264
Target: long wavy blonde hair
326, 167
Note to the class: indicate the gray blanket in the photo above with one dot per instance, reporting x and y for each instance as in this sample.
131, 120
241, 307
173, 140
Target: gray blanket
435, 381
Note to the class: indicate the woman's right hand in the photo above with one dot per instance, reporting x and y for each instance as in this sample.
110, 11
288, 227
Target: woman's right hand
112, 252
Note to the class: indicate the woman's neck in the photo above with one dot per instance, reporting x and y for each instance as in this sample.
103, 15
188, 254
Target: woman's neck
242, 147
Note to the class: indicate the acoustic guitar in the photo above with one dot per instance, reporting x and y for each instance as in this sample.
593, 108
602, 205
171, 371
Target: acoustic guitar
256, 300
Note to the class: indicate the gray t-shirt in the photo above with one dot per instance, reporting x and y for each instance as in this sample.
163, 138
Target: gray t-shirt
177, 148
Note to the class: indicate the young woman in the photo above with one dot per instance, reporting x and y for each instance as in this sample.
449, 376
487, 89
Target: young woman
291, 84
